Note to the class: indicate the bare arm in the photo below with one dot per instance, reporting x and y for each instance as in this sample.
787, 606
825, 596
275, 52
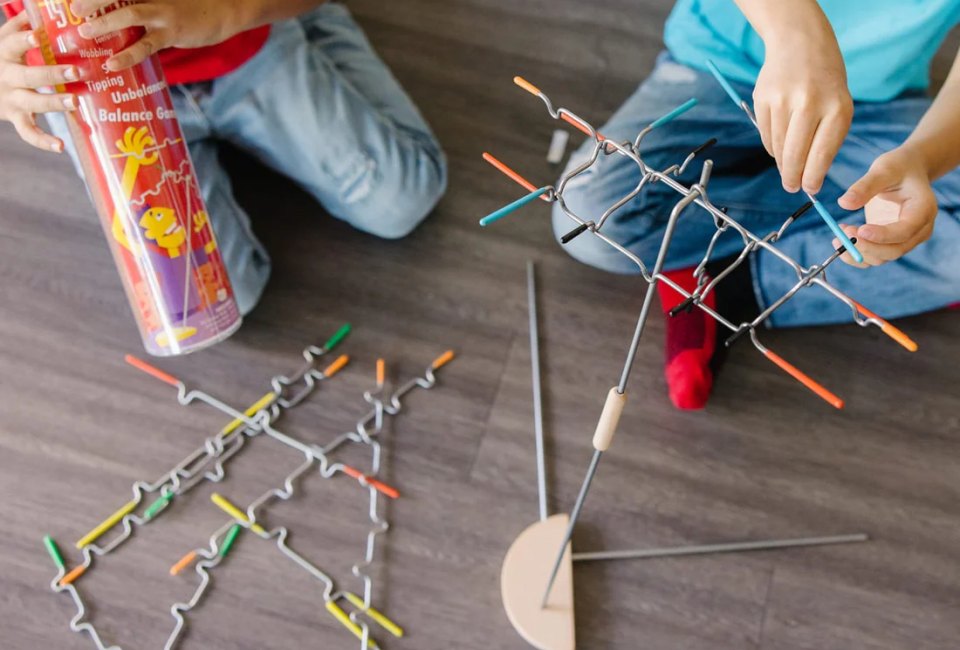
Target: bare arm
899, 181
937, 136
801, 100
181, 23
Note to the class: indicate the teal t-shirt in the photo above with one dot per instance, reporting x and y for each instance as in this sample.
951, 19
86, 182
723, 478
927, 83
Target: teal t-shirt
887, 45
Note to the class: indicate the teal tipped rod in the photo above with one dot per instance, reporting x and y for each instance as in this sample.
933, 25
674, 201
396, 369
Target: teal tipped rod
513, 207
821, 210
734, 95
838, 231
334, 340
675, 113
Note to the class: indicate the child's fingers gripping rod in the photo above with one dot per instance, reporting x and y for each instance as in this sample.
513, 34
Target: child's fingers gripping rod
837, 231
822, 211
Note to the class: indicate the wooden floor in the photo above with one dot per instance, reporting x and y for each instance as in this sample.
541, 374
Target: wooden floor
765, 459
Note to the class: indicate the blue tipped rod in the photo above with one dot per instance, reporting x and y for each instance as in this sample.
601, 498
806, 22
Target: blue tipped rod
826, 216
677, 112
734, 95
838, 231
516, 205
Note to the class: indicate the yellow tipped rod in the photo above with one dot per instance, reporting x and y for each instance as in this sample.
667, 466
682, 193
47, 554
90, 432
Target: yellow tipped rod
337, 612
374, 615
107, 524
235, 512
255, 408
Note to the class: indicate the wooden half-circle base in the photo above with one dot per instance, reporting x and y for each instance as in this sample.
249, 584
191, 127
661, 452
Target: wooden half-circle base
526, 569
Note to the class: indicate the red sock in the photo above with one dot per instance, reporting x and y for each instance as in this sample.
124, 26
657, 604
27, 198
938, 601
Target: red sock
691, 343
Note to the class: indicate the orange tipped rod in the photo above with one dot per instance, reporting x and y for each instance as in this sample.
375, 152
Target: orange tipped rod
381, 372
580, 126
526, 85
183, 563
511, 174
893, 332
443, 360
379, 486
73, 575
336, 366
153, 371
800, 376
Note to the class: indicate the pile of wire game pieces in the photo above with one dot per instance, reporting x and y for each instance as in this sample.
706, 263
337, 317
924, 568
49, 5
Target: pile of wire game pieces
208, 463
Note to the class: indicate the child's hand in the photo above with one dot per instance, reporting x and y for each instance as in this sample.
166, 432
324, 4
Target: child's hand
801, 100
168, 23
900, 177
19, 99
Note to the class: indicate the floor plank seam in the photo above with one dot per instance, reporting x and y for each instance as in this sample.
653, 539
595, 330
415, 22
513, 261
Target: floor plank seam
766, 609
493, 404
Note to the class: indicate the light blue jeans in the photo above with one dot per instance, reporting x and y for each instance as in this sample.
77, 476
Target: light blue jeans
745, 180
317, 105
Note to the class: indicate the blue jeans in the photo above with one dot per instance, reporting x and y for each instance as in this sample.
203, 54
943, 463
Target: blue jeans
745, 180
317, 105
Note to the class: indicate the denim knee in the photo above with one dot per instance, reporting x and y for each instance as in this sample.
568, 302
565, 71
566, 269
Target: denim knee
400, 197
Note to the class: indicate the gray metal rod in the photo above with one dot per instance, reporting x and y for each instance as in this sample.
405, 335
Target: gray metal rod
537, 390
735, 547
584, 489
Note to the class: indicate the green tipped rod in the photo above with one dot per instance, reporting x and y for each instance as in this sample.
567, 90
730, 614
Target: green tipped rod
513, 207
54, 552
734, 95
154, 508
334, 340
230, 538
675, 113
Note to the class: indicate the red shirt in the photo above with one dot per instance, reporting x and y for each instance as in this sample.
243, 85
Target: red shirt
201, 64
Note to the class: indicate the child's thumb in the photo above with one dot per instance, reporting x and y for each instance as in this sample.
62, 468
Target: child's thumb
876, 180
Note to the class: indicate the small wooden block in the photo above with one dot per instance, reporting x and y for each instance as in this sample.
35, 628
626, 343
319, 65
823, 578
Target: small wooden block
881, 211
526, 569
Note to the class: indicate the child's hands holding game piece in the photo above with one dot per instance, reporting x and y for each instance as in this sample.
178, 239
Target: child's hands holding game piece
898, 184
801, 100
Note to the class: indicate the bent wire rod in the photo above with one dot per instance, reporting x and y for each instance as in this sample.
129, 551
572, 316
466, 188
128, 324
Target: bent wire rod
695, 194
64, 582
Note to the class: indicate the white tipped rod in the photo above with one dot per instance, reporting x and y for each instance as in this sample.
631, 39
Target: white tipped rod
609, 419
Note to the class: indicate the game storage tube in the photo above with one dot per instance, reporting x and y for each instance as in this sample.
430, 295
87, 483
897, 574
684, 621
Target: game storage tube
139, 174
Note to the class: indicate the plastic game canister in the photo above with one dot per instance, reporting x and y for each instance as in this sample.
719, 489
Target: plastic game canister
139, 174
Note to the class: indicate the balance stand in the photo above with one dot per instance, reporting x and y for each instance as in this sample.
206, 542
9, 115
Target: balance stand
545, 619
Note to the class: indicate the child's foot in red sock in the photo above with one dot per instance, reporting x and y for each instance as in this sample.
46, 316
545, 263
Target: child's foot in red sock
690, 345
694, 351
